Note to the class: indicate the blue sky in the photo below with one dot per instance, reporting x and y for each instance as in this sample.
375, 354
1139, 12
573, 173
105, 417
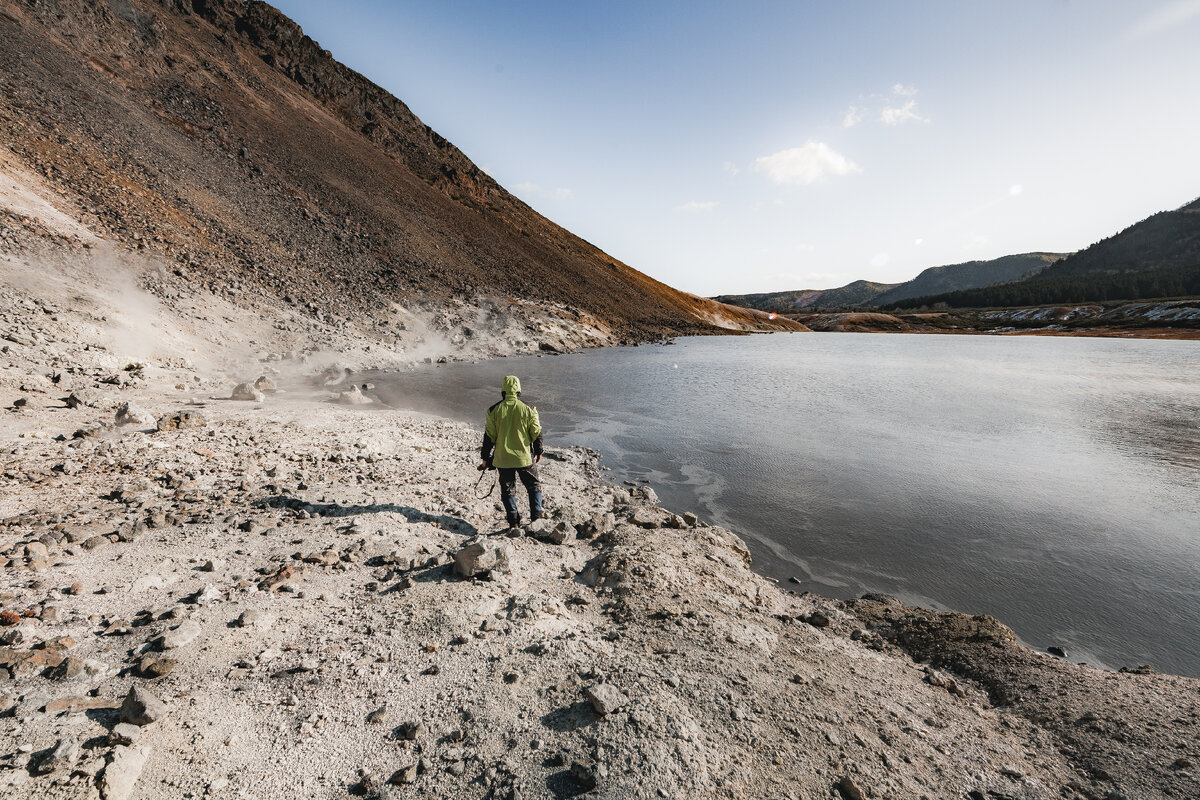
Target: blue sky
761, 146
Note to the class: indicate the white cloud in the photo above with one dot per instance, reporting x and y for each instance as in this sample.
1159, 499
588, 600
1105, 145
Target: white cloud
880, 260
1016, 189
901, 90
731, 168
696, 206
917, 242
806, 164
1166, 17
854, 115
892, 115
804, 247
563, 193
527, 186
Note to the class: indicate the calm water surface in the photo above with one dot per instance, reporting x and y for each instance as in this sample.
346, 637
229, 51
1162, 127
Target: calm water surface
1051, 482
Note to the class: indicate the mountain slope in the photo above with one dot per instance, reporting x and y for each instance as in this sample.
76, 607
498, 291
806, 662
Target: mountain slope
855, 293
214, 134
1166, 240
969, 275
1156, 258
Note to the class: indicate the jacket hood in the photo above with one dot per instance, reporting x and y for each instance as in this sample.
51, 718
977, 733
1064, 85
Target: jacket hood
511, 385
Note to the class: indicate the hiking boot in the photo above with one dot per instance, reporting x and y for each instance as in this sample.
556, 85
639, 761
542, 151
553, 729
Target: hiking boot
514, 521
534, 516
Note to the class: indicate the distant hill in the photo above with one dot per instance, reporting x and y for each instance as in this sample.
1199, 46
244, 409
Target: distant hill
1156, 258
852, 294
969, 275
1161, 241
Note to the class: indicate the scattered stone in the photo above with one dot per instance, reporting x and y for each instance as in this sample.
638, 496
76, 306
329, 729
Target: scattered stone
124, 768
181, 635
69, 669
259, 620
75, 705
818, 619
181, 420
265, 384
482, 557
408, 730
246, 391
378, 716
605, 698
585, 774
95, 542
141, 707
1057, 651
849, 789
124, 733
63, 756
151, 666
129, 414
354, 397
404, 775
646, 518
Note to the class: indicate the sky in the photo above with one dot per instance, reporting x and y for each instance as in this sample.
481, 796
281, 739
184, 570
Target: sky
762, 146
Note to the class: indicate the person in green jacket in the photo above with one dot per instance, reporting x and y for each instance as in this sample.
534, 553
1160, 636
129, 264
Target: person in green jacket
512, 443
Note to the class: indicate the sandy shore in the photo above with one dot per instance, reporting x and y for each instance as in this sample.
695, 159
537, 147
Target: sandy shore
307, 599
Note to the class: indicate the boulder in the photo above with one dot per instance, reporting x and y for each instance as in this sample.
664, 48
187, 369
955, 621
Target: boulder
246, 391
63, 756
354, 397
124, 768
605, 698
265, 384
482, 557
181, 635
141, 707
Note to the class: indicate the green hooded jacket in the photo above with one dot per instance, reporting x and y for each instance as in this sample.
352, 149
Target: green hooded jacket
512, 430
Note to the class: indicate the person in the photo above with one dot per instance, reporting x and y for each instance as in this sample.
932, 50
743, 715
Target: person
512, 443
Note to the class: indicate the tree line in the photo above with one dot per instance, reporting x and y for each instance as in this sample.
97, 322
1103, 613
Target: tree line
1171, 282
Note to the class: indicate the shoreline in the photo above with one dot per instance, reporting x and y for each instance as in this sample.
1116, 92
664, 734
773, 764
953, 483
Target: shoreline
296, 510
283, 579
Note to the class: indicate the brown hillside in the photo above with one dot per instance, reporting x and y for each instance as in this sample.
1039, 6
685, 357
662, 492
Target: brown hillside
215, 134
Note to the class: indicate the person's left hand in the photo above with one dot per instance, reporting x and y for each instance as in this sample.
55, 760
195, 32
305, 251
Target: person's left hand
537, 459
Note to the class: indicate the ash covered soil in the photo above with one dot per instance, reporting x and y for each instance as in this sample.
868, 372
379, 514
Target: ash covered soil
299, 595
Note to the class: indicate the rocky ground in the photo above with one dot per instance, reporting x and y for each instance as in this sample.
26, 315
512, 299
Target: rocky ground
300, 593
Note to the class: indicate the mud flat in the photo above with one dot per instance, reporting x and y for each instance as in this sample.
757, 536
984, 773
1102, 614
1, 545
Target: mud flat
300, 595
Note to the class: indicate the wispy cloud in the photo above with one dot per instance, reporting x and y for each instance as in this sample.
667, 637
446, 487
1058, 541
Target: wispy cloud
898, 115
528, 187
563, 193
731, 168
893, 107
1165, 17
696, 206
804, 165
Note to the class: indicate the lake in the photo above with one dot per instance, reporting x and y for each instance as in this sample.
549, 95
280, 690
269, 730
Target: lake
1051, 482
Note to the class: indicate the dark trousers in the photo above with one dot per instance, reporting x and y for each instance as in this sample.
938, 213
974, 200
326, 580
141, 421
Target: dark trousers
508, 482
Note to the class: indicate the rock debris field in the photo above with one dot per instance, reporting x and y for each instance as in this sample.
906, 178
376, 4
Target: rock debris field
298, 594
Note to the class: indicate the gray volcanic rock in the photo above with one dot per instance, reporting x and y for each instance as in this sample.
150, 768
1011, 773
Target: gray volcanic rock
481, 557
141, 707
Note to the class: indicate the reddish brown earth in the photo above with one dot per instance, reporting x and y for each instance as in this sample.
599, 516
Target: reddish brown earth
216, 135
